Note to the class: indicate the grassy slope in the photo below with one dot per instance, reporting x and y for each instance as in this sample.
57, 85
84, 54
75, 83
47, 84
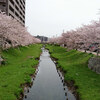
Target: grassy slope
17, 70
75, 63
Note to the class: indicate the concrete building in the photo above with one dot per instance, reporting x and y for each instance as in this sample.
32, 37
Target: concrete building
42, 38
14, 8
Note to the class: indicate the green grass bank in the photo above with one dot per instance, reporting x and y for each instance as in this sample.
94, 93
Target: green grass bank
75, 66
20, 64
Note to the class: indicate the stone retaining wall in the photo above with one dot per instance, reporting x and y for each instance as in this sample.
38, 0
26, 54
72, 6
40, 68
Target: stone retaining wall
1, 60
94, 64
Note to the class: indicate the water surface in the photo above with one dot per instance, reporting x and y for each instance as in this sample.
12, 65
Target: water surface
48, 84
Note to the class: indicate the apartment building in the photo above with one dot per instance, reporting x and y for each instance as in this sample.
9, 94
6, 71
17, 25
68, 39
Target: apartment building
14, 8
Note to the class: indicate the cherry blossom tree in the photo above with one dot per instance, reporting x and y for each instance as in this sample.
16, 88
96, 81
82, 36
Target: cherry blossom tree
80, 38
13, 34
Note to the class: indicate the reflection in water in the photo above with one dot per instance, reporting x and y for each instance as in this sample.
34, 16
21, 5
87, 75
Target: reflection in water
49, 82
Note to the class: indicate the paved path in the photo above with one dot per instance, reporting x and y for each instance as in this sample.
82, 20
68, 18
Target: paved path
89, 52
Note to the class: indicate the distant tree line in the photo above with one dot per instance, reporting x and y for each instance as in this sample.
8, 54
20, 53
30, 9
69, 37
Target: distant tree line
86, 37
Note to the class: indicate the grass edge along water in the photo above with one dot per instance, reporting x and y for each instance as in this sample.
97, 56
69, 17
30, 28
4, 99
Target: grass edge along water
75, 65
19, 64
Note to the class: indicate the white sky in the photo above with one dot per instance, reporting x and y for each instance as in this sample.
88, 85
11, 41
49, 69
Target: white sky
50, 17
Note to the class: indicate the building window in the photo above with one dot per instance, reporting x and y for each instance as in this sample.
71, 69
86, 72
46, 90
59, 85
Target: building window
16, 8
21, 7
17, 2
11, 15
24, 1
23, 21
11, 8
21, 13
21, 2
12, 2
16, 14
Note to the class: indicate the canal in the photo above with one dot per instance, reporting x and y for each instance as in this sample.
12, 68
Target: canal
48, 83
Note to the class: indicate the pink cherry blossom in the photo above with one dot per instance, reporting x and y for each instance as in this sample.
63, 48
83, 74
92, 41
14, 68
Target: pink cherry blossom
13, 34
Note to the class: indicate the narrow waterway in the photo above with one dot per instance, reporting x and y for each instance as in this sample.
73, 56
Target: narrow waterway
48, 83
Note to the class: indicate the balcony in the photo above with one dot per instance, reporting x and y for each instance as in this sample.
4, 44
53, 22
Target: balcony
2, 1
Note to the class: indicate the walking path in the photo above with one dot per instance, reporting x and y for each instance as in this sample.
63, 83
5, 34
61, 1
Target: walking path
89, 52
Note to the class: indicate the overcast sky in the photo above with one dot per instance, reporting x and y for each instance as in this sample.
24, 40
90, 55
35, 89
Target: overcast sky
50, 17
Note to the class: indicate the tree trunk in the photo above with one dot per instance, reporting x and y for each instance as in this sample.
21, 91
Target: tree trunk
97, 52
